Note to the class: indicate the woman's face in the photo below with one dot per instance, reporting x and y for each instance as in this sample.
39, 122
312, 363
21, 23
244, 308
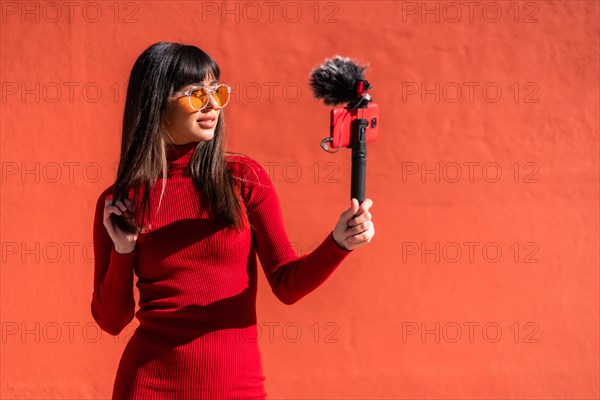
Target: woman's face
184, 125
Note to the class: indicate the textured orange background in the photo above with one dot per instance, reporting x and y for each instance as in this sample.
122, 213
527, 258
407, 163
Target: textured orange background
404, 317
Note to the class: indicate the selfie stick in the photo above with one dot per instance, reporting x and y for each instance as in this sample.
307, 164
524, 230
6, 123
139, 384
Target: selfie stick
359, 151
340, 80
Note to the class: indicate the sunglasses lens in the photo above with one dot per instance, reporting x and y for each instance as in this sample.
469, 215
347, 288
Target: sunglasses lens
222, 96
199, 98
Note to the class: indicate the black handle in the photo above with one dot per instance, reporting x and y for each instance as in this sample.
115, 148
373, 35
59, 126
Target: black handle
359, 159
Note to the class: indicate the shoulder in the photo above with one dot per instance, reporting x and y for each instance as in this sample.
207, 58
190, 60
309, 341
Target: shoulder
239, 162
251, 178
247, 169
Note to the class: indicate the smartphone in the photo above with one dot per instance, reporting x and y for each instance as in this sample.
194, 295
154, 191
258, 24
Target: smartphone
341, 124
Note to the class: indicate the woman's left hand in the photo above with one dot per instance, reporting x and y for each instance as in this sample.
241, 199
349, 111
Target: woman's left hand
355, 227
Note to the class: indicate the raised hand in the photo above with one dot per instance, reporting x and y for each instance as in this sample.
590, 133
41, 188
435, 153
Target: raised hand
355, 227
124, 242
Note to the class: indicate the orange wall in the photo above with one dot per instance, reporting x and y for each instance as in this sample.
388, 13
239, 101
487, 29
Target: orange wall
412, 315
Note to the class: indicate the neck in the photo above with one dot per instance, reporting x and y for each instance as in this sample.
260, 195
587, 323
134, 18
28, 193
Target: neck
179, 155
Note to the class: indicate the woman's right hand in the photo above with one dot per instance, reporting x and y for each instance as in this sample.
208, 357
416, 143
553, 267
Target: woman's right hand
124, 242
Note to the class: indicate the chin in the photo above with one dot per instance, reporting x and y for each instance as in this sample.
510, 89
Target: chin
206, 135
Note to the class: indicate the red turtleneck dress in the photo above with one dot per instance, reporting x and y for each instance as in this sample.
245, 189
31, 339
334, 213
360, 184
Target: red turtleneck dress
197, 333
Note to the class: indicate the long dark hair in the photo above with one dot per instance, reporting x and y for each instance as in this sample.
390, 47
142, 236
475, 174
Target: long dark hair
162, 68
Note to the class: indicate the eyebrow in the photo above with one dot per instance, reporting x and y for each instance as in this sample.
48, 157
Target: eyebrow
211, 82
195, 84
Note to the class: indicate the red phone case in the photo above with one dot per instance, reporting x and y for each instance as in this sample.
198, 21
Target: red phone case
341, 124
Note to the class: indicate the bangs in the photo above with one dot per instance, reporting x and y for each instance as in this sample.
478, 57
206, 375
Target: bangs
194, 66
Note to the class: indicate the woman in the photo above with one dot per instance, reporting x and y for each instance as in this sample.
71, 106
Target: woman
189, 220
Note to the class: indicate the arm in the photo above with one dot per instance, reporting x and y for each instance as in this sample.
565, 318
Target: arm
113, 303
290, 277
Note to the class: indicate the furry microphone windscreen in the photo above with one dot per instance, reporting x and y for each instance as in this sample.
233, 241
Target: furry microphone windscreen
335, 80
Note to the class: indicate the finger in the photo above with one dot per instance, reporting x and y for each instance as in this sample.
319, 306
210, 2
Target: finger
121, 205
351, 211
352, 230
360, 218
113, 209
366, 204
365, 226
117, 211
361, 237
129, 204
108, 202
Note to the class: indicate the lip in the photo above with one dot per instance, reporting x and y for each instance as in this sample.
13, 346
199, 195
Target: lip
207, 118
208, 122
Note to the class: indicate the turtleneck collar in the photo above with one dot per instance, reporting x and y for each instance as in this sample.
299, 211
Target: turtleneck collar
179, 155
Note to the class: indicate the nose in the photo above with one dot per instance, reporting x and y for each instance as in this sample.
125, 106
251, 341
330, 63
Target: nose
212, 102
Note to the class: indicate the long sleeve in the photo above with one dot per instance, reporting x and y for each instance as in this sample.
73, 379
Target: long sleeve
113, 302
290, 277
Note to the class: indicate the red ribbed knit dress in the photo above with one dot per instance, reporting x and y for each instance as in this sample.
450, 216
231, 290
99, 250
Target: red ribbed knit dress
197, 333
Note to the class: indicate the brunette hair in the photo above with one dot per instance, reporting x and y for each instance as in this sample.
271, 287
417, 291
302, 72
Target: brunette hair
161, 69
